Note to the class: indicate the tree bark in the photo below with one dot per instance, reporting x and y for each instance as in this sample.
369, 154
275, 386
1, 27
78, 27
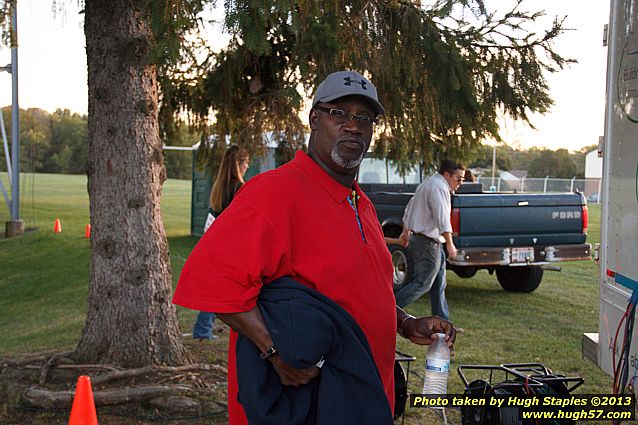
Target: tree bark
131, 321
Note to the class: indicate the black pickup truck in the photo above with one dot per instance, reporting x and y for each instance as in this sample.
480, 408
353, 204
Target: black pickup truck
516, 235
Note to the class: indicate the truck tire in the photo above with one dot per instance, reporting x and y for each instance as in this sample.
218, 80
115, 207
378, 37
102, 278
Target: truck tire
403, 264
519, 279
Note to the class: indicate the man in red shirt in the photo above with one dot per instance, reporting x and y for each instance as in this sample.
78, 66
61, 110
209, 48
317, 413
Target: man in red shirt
310, 221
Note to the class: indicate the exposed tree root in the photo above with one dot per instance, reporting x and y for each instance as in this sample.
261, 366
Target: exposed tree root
44, 371
27, 359
105, 367
170, 382
46, 382
131, 373
46, 399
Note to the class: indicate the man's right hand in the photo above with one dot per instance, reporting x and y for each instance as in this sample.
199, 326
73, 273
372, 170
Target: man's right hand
422, 330
404, 237
291, 376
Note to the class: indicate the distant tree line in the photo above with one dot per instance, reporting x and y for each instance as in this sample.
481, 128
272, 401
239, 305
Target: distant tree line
539, 162
50, 143
58, 143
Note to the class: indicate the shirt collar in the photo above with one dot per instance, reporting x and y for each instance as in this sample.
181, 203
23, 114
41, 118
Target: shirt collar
336, 190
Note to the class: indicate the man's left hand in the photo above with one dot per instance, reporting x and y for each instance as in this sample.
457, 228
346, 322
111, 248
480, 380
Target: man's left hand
423, 330
451, 251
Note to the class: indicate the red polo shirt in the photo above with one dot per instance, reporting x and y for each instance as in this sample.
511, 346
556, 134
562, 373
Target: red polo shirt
295, 221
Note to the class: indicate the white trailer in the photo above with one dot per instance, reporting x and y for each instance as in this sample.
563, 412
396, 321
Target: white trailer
619, 221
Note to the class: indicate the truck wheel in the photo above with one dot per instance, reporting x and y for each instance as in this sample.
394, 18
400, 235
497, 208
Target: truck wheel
403, 266
519, 279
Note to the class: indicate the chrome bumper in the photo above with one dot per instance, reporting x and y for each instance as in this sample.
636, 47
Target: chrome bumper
502, 256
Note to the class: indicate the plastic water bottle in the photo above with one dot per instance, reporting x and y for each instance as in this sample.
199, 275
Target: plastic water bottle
437, 367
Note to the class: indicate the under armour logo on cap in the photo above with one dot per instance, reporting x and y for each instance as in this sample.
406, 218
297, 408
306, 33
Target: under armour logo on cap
347, 83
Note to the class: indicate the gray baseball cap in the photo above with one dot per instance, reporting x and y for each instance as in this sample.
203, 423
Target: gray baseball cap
347, 83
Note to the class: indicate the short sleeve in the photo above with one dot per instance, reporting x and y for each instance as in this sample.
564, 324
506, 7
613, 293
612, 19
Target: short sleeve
228, 266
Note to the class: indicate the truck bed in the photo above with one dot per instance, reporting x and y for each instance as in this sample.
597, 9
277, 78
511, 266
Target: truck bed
496, 219
493, 219
514, 235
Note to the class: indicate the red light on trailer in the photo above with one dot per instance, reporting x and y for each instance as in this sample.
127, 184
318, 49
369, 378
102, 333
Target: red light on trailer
456, 221
611, 273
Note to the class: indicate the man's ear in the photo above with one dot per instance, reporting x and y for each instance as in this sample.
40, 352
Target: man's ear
312, 118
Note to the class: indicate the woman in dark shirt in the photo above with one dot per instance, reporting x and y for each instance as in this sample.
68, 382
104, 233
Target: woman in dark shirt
229, 179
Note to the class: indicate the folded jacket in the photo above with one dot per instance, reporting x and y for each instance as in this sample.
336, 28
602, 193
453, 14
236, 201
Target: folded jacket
307, 326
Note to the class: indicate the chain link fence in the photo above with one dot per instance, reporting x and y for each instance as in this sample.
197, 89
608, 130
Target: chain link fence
589, 187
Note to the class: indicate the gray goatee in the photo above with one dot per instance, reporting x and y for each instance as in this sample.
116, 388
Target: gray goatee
347, 163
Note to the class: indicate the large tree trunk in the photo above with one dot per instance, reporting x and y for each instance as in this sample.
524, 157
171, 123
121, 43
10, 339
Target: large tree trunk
131, 321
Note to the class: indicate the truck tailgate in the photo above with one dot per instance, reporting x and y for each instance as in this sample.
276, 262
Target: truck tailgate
491, 220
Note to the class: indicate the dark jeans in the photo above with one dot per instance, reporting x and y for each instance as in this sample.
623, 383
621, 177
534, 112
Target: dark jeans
428, 276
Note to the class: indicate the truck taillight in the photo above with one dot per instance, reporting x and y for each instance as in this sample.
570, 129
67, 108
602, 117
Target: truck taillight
456, 221
585, 218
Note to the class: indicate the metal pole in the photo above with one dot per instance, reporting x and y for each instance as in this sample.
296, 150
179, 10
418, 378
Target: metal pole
6, 146
493, 163
8, 159
571, 188
6, 196
600, 183
15, 122
15, 227
545, 184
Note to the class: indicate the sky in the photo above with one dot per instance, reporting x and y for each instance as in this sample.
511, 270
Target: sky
52, 69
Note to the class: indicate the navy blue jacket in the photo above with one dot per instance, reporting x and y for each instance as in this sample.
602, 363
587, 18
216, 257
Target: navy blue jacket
306, 326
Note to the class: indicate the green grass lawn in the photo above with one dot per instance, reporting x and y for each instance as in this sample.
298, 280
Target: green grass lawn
44, 277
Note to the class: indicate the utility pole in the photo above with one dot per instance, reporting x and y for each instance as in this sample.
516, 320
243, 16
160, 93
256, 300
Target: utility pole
493, 188
15, 227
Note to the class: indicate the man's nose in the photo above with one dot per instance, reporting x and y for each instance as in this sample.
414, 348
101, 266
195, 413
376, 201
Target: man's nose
353, 126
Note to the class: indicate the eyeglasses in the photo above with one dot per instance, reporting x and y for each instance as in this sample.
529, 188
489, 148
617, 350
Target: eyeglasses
344, 116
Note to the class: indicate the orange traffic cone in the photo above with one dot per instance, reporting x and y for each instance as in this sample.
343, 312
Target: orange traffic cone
83, 410
57, 227
87, 231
